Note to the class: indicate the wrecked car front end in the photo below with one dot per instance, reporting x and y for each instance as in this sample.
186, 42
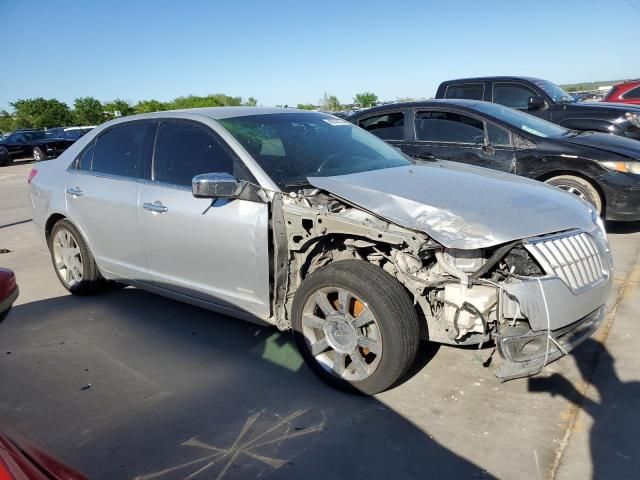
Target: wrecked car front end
536, 297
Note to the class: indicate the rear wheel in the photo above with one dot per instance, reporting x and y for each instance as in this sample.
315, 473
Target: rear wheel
355, 326
38, 154
579, 187
73, 261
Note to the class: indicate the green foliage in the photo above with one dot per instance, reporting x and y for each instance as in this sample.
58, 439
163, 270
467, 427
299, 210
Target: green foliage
119, 108
214, 100
7, 122
88, 111
306, 106
366, 99
41, 113
148, 106
330, 103
251, 102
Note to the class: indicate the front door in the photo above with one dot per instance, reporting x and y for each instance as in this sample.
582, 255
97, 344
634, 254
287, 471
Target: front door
449, 135
218, 254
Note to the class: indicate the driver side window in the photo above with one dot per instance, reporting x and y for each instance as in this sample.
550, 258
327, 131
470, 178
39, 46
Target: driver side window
184, 150
513, 95
449, 127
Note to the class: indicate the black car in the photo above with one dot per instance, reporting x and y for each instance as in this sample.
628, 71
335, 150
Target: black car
31, 143
547, 101
602, 169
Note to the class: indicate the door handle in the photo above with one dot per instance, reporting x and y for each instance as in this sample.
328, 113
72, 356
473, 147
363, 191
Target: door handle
155, 207
74, 192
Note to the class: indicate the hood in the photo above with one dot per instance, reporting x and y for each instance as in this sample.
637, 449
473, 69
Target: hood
617, 106
606, 142
461, 206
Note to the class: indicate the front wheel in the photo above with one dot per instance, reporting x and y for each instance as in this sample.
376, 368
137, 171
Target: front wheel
355, 326
38, 154
579, 187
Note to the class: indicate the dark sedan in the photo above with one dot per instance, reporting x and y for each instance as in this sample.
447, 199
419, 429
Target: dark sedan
601, 169
37, 144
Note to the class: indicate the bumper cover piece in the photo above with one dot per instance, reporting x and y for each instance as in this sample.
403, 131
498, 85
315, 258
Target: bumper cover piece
524, 353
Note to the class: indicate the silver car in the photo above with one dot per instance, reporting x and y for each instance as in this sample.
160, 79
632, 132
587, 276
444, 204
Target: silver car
304, 221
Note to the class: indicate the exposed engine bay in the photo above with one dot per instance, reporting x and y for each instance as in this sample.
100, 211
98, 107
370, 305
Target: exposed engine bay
464, 297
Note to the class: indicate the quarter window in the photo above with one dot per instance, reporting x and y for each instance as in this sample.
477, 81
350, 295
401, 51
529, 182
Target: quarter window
184, 150
389, 126
632, 94
436, 126
512, 95
124, 150
497, 135
83, 161
470, 91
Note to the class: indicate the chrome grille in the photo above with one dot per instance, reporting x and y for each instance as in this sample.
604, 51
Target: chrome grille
574, 258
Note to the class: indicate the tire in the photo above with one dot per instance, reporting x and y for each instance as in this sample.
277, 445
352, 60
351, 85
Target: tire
366, 347
580, 187
38, 154
73, 261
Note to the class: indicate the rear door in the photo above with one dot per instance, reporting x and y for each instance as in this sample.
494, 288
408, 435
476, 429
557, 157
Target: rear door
102, 197
215, 252
459, 137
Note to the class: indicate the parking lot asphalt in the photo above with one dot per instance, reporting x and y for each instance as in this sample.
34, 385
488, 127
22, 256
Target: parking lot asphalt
132, 385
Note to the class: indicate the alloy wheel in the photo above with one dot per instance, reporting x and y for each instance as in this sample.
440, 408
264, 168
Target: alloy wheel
67, 257
342, 333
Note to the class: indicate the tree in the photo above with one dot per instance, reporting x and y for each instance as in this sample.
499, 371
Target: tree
41, 113
148, 106
119, 108
7, 121
88, 111
306, 106
251, 102
330, 103
213, 100
366, 99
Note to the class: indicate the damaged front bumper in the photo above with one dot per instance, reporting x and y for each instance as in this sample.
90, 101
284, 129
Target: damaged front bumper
525, 353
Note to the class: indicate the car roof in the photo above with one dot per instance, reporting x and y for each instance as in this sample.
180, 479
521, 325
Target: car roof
216, 113
494, 78
438, 102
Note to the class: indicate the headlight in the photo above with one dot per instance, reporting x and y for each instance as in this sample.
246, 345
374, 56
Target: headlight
625, 167
634, 119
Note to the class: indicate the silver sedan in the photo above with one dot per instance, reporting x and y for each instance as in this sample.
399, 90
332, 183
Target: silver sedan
304, 221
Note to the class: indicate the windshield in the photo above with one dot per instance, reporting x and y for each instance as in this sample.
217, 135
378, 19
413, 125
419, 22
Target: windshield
557, 94
534, 125
293, 146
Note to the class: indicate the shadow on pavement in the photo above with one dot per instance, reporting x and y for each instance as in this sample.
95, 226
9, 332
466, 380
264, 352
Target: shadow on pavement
623, 227
132, 385
615, 434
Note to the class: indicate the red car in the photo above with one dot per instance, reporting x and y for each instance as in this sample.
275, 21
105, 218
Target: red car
627, 92
8, 293
20, 460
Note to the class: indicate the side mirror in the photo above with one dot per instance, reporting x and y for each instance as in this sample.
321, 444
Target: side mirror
536, 103
216, 185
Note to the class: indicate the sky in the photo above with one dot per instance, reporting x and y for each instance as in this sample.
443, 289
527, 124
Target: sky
290, 52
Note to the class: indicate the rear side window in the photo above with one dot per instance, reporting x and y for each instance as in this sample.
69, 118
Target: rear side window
512, 94
389, 126
124, 150
434, 126
470, 91
184, 150
633, 94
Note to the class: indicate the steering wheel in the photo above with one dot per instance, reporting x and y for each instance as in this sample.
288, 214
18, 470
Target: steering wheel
327, 160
